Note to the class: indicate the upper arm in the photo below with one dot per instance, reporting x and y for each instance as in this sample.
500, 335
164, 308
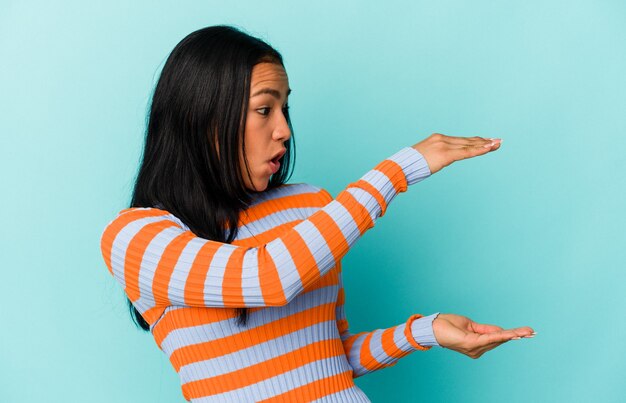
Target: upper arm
158, 262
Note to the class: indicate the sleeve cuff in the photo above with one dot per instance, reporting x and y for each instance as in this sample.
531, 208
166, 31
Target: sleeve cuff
413, 164
421, 331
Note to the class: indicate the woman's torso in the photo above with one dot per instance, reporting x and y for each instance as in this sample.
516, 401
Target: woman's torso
286, 353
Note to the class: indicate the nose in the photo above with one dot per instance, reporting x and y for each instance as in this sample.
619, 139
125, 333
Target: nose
282, 132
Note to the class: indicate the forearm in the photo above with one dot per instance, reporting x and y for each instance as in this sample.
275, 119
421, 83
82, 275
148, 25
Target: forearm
382, 348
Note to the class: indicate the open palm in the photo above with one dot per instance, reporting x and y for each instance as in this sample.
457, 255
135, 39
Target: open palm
465, 336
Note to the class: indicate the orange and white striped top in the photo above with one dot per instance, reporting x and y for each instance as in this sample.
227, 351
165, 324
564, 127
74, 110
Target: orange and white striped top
285, 265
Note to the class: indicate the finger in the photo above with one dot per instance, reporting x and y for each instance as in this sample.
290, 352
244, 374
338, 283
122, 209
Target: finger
524, 331
473, 141
478, 142
485, 328
465, 140
490, 341
501, 336
463, 152
496, 145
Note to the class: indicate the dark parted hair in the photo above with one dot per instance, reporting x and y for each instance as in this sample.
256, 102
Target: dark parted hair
200, 103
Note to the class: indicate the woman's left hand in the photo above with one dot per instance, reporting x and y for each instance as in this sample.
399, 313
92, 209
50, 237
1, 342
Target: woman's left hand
461, 334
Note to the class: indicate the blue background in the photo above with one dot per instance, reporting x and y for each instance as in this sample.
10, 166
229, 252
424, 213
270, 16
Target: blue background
532, 234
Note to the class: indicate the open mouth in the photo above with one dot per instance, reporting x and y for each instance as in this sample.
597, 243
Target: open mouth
275, 164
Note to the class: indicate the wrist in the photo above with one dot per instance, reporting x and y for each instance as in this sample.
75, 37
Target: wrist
420, 329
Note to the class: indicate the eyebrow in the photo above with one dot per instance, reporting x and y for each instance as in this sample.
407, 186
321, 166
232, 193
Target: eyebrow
271, 91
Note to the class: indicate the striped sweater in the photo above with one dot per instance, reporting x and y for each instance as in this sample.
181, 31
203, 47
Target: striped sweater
285, 265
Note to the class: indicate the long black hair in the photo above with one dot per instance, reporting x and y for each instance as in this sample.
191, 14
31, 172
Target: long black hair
199, 105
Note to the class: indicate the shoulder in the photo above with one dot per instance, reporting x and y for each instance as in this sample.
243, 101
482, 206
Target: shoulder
134, 218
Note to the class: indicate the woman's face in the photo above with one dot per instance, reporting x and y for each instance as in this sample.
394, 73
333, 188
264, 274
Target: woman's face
266, 124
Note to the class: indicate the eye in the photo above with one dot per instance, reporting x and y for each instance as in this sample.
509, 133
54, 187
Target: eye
286, 110
264, 111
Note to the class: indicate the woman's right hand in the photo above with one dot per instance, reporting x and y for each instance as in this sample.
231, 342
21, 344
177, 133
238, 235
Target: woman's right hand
440, 150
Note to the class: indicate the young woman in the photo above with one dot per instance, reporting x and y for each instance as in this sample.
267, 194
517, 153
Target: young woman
236, 273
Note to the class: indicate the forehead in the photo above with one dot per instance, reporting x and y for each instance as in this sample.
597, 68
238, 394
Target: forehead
269, 75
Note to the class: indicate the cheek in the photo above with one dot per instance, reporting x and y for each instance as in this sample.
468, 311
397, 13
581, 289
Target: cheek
254, 155
256, 146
